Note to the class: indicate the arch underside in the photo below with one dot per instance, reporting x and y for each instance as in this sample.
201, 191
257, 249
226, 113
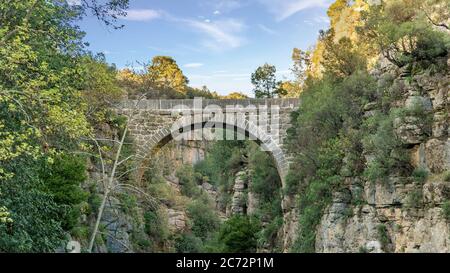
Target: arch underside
163, 136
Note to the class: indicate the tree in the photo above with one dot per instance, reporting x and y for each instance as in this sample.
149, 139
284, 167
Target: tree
265, 81
204, 92
302, 64
405, 32
163, 73
101, 88
42, 111
112, 157
292, 89
34, 219
341, 58
62, 179
236, 96
129, 79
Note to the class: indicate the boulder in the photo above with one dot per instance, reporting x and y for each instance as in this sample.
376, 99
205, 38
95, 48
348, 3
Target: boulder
410, 130
437, 154
177, 220
419, 101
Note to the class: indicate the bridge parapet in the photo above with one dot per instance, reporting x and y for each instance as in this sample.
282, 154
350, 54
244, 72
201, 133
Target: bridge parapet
191, 103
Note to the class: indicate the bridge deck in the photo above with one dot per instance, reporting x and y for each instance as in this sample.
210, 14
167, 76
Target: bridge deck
191, 103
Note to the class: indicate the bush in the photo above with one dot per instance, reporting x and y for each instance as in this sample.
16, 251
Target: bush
154, 226
188, 243
383, 236
239, 234
189, 186
447, 176
414, 199
204, 219
36, 217
446, 210
420, 175
265, 180
63, 180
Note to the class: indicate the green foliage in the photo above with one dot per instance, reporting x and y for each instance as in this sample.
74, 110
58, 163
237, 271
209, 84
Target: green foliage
63, 181
447, 176
223, 160
363, 249
204, 219
268, 234
446, 210
189, 186
415, 199
265, 180
341, 59
101, 88
239, 234
155, 227
188, 243
387, 150
327, 144
265, 81
420, 175
36, 223
4, 215
383, 236
403, 32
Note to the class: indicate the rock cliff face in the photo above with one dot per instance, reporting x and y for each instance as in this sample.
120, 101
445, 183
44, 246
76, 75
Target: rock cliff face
399, 215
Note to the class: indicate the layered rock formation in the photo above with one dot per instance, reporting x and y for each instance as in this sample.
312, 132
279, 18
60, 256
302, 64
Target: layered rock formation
399, 215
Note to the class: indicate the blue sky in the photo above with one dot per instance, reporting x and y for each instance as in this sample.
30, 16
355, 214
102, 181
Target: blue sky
217, 43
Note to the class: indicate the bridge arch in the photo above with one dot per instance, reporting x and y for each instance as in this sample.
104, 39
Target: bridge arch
165, 135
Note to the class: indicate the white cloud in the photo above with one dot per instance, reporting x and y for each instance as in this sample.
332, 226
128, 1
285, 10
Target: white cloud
267, 29
284, 9
322, 20
225, 5
219, 35
142, 15
216, 12
193, 65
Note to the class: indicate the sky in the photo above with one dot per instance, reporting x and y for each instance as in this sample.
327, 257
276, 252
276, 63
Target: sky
217, 43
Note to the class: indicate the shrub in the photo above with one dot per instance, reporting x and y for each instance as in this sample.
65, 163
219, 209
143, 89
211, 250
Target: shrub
188, 243
154, 226
447, 176
446, 210
204, 218
188, 182
383, 236
414, 199
63, 180
239, 234
363, 249
265, 180
36, 217
420, 175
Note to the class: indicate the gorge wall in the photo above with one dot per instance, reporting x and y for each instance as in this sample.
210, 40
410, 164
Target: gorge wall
401, 214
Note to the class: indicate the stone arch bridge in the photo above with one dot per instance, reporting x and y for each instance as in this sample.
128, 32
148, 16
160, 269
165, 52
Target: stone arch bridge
154, 123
